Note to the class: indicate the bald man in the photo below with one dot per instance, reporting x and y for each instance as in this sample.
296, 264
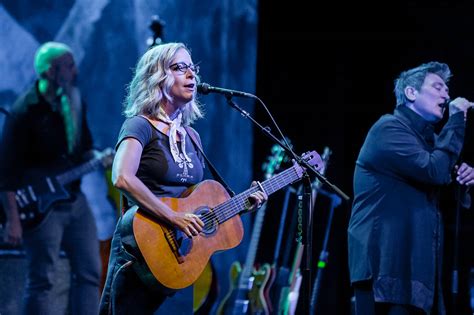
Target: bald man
48, 135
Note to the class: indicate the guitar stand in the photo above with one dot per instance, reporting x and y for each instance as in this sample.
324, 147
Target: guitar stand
307, 193
324, 254
307, 243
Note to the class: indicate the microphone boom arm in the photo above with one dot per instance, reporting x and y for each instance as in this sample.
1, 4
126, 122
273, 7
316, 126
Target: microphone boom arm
267, 132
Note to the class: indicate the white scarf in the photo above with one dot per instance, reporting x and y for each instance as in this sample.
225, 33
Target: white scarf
176, 127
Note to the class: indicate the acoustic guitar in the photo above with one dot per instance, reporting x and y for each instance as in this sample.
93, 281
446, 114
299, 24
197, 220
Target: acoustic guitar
168, 260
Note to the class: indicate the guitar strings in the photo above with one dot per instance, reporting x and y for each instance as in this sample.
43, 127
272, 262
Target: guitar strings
227, 210
270, 185
223, 210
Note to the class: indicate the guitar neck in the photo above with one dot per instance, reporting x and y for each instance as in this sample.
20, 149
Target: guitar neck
253, 246
296, 263
237, 204
78, 172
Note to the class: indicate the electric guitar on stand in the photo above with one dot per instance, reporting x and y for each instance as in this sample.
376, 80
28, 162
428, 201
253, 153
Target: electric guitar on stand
296, 277
288, 281
247, 285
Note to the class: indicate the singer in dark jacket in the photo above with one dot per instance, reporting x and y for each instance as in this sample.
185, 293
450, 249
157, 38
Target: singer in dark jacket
395, 230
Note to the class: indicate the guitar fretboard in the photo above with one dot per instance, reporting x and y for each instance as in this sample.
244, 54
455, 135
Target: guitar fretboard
235, 205
78, 171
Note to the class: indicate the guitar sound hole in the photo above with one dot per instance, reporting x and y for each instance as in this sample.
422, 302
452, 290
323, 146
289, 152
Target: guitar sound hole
209, 219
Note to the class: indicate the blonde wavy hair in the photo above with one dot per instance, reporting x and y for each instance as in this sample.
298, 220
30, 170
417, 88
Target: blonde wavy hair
152, 82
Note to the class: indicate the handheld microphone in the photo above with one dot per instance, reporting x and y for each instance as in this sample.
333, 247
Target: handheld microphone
204, 88
446, 103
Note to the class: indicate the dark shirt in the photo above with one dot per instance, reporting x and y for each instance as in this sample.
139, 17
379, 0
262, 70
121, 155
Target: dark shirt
157, 169
395, 231
35, 144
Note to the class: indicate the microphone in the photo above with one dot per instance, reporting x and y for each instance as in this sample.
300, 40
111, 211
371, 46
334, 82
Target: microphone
204, 88
446, 103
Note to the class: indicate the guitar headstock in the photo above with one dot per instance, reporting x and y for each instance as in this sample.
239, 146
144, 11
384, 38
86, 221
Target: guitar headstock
325, 158
274, 161
313, 159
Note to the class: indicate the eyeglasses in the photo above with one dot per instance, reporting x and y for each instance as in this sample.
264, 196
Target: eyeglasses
183, 67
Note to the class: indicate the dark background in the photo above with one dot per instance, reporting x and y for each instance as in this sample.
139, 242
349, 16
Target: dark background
324, 70
326, 74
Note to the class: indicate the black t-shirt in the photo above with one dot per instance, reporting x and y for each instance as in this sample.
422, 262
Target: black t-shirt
157, 169
35, 144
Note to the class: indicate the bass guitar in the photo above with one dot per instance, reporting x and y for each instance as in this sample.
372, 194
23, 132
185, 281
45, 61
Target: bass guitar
34, 201
167, 259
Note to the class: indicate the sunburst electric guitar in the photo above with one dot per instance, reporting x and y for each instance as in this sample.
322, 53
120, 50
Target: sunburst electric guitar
167, 259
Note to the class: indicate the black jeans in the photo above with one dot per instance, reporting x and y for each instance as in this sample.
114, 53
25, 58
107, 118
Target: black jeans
366, 305
124, 292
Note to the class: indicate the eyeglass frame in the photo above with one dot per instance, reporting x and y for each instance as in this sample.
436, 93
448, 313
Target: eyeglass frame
183, 67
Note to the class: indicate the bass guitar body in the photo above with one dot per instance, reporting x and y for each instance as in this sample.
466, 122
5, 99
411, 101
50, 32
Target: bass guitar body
258, 303
239, 295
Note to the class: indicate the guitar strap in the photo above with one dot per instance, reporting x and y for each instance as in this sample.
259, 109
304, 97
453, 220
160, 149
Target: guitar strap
123, 203
214, 171
192, 134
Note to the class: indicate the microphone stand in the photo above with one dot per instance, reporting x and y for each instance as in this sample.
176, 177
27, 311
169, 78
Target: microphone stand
324, 254
267, 132
458, 277
307, 242
307, 203
455, 271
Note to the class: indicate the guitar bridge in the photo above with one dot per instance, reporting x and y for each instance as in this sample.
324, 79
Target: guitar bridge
179, 242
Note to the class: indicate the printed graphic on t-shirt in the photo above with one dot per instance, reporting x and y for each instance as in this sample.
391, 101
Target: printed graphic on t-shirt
184, 164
